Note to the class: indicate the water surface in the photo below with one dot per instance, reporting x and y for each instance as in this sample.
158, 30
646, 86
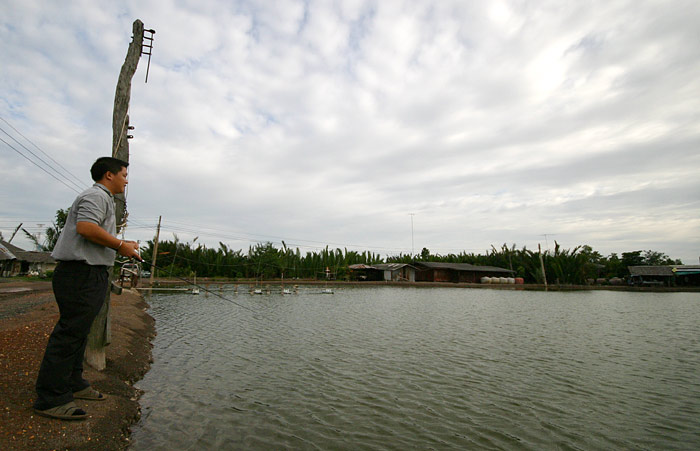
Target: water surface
423, 368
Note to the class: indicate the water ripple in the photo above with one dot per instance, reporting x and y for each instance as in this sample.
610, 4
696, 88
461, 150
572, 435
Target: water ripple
403, 368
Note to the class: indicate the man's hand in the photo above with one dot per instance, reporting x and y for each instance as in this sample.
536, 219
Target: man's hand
129, 249
98, 235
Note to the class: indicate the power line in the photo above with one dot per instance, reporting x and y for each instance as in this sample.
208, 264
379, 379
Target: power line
35, 164
144, 224
40, 159
292, 240
293, 243
80, 182
227, 237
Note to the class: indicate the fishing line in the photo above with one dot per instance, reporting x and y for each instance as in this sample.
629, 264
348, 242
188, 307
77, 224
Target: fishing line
199, 286
255, 313
258, 315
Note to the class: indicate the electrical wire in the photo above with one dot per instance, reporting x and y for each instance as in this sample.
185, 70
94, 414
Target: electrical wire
292, 242
80, 183
35, 164
183, 227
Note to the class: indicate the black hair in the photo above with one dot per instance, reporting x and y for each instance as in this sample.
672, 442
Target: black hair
106, 164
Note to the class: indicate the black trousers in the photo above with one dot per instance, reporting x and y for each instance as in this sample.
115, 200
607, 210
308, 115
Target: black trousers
80, 289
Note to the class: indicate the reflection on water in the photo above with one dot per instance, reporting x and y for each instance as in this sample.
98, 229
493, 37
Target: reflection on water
424, 368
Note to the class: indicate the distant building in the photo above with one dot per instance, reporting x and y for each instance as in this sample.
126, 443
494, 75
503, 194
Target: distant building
397, 272
363, 272
427, 272
457, 272
393, 272
665, 275
16, 262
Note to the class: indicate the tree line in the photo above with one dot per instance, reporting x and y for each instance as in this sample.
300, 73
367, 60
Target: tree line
565, 266
261, 261
266, 261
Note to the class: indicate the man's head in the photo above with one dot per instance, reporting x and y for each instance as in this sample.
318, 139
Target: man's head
110, 172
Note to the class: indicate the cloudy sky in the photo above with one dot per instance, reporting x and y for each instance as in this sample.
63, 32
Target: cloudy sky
331, 122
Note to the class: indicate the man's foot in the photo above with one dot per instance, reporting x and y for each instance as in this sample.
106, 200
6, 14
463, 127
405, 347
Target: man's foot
90, 394
68, 411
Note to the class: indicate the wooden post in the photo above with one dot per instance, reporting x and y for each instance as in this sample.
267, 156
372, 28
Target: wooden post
544, 274
100, 334
155, 252
120, 115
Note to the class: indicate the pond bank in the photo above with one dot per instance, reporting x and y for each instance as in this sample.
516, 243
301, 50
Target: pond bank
203, 281
27, 317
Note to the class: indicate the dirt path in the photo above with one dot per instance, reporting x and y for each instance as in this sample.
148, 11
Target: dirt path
27, 317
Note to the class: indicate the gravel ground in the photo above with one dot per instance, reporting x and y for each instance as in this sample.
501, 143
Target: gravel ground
14, 299
27, 317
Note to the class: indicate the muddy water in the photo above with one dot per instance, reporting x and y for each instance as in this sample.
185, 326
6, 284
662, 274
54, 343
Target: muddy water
423, 368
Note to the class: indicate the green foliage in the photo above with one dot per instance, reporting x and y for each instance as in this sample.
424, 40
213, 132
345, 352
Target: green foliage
425, 254
34, 239
51, 233
632, 259
563, 266
265, 261
262, 261
654, 258
54, 231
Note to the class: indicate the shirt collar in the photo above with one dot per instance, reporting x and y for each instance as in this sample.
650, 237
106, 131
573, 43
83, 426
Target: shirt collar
100, 185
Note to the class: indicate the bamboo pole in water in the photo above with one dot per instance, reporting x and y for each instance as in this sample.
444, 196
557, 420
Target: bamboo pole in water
544, 274
155, 252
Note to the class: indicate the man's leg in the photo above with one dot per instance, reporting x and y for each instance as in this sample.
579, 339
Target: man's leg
80, 291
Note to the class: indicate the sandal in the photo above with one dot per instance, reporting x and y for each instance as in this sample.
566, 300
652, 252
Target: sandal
68, 411
90, 394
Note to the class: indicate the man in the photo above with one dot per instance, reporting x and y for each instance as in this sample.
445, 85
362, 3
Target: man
85, 252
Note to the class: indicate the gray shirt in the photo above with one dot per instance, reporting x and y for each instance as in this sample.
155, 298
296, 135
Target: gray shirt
96, 205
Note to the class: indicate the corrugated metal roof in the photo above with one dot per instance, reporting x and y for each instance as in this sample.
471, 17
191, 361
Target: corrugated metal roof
658, 271
463, 267
686, 270
5, 253
11, 247
392, 266
35, 257
10, 252
381, 266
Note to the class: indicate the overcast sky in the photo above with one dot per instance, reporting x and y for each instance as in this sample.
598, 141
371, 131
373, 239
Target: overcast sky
330, 122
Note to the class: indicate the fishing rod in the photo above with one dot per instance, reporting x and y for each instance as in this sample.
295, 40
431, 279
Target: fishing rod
195, 285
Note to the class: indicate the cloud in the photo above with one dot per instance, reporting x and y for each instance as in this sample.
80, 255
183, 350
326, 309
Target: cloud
330, 122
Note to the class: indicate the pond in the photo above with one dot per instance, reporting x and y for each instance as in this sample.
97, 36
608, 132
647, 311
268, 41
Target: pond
429, 368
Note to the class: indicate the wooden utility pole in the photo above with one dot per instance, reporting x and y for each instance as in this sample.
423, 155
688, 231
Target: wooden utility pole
155, 252
100, 333
15, 232
120, 115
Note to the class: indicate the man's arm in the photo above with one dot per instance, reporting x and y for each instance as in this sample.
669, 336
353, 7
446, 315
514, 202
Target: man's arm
92, 232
